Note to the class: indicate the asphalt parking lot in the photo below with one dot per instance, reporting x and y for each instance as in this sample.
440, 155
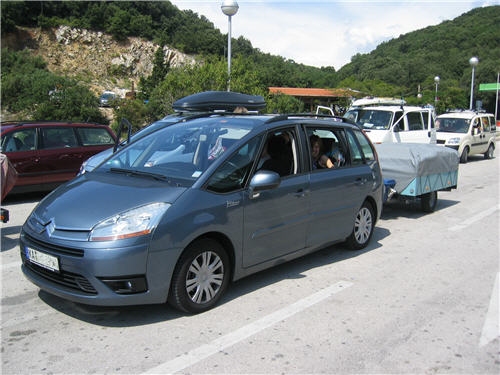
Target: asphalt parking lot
423, 297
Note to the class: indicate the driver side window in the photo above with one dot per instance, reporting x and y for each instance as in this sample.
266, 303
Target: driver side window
233, 173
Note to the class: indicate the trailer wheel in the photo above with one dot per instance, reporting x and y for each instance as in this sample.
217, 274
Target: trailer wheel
428, 201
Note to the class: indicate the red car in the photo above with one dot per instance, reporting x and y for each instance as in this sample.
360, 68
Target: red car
46, 154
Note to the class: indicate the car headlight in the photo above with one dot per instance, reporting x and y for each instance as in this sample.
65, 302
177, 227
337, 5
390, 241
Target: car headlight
139, 221
454, 141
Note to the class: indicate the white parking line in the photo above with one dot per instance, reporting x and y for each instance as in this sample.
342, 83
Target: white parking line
491, 327
196, 355
474, 218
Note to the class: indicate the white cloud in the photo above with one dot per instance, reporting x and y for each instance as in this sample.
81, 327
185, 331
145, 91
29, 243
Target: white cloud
325, 32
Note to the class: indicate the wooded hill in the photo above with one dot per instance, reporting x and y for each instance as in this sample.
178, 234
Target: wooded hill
395, 68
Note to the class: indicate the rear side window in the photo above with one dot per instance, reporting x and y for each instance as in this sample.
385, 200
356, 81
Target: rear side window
21, 140
94, 136
361, 149
58, 138
493, 123
486, 124
331, 143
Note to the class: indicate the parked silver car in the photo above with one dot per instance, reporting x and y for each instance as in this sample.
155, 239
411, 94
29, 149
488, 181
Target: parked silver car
178, 214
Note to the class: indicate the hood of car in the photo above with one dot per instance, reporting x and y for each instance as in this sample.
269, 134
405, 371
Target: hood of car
88, 199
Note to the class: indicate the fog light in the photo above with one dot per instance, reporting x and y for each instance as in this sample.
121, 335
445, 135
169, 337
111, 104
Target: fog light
128, 285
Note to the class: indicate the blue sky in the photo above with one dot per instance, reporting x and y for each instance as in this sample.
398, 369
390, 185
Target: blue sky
327, 32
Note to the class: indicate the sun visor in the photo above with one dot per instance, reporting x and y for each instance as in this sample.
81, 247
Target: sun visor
227, 101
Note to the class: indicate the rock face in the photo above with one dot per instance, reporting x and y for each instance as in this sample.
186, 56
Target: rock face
94, 57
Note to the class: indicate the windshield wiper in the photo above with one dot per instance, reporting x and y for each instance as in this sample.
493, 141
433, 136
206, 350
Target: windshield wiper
132, 172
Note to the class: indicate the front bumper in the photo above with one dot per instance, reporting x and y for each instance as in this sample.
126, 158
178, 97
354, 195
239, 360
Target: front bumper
105, 276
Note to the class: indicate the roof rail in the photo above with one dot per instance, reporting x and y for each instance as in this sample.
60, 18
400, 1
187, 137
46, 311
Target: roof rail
309, 115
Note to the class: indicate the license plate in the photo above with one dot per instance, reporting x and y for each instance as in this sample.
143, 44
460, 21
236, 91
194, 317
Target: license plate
44, 260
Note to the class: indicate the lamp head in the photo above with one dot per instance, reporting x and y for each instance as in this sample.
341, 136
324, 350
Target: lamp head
229, 7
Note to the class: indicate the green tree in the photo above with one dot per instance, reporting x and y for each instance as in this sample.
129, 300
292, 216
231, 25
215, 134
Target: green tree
33, 92
135, 111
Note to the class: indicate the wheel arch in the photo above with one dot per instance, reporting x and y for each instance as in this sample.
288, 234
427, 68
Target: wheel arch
373, 203
225, 242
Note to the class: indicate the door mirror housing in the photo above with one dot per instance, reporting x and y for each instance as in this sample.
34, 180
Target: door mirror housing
263, 180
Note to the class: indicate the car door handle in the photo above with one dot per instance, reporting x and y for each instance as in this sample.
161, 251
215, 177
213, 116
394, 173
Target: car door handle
361, 181
301, 193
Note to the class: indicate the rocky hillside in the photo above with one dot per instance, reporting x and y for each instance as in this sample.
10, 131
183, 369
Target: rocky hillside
93, 57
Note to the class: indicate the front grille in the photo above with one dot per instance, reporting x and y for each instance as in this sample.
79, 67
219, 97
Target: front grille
54, 249
67, 279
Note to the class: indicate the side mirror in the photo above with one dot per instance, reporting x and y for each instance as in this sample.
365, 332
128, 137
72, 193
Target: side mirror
395, 128
263, 180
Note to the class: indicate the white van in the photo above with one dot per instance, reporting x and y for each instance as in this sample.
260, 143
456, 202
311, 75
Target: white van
468, 132
390, 123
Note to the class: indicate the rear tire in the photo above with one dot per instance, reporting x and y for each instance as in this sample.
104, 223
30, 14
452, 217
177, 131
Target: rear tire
490, 152
364, 224
428, 201
465, 155
200, 278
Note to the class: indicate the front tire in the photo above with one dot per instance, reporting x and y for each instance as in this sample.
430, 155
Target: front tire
200, 278
362, 231
465, 155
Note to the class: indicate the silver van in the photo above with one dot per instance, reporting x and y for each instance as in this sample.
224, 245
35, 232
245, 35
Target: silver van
395, 124
468, 132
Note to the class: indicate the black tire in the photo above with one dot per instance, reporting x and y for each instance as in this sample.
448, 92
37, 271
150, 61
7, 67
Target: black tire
205, 259
362, 231
465, 155
490, 152
428, 201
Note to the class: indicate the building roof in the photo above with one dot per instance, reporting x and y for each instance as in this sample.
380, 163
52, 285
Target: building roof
311, 92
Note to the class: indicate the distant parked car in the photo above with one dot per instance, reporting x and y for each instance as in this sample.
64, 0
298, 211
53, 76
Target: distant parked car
178, 214
46, 154
468, 132
107, 98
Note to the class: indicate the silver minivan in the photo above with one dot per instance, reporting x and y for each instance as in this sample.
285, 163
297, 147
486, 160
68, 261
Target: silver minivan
468, 132
177, 214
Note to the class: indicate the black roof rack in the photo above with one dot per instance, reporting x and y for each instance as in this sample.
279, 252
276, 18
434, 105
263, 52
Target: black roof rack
219, 101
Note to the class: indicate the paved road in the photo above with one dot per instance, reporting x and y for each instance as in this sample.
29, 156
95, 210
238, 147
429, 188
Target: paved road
422, 298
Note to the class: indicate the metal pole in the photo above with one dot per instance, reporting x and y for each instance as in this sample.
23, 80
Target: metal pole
496, 104
472, 88
229, 55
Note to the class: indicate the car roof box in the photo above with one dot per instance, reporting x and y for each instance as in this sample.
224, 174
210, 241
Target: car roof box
227, 101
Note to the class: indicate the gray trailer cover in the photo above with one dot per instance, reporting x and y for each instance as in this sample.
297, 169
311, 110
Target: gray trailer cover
405, 162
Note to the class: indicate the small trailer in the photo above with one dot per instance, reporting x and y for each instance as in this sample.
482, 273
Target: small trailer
415, 171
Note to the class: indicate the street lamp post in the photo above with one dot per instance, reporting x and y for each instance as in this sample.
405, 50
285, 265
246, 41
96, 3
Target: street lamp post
436, 81
473, 62
229, 8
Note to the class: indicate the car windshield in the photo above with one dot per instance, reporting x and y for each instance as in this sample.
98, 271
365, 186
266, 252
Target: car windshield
370, 118
180, 152
452, 125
